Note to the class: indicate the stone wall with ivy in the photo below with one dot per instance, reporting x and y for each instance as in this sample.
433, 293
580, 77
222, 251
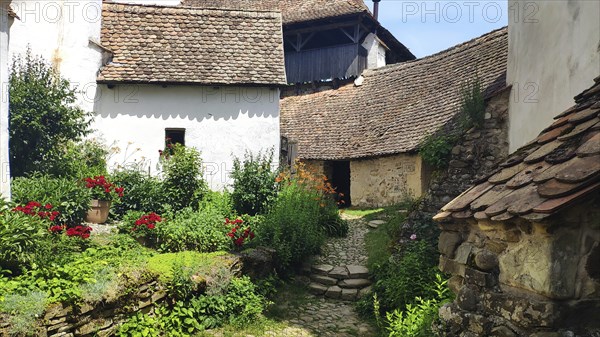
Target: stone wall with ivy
473, 157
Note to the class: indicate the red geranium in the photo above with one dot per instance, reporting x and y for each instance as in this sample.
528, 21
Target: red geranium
80, 231
102, 189
145, 224
237, 235
34, 208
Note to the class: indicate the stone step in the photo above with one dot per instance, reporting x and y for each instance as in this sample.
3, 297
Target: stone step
326, 280
354, 283
341, 272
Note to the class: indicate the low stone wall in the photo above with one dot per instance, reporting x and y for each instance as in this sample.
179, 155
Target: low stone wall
100, 319
521, 278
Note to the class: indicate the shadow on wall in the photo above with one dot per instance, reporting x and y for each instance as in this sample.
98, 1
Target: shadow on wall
195, 103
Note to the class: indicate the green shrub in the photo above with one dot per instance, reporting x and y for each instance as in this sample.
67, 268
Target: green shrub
142, 192
406, 276
20, 236
330, 220
68, 196
292, 225
139, 325
436, 150
23, 311
417, 318
253, 183
202, 230
81, 159
42, 116
183, 185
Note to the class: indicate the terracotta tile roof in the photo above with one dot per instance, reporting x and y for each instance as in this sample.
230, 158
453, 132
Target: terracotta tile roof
396, 106
559, 167
183, 45
293, 11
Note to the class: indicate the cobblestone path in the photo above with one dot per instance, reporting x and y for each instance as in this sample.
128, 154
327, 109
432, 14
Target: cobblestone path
321, 316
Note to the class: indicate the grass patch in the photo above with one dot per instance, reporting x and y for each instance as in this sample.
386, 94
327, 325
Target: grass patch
361, 212
203, 263
379, 242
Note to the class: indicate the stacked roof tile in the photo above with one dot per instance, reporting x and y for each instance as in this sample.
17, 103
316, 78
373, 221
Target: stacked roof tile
293, 11
154, 44
558, 168
396, 106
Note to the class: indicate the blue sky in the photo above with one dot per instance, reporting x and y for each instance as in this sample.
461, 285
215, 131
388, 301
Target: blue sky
427, 27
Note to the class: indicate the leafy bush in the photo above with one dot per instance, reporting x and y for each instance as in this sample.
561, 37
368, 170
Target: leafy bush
139, 325
253, 183
436, 150
406, 276
42, 116
292, 225
20, 236
330, 219
202, 230
81, 159
183, 185
142, 192
67, 195
418, 317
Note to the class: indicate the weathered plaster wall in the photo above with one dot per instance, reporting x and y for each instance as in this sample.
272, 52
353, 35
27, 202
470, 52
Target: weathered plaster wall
520, 278
376, 52
4, 158
220, 122
554, 54
60, 31
386, 180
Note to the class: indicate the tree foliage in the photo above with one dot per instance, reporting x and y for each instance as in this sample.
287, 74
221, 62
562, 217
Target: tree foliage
43, 116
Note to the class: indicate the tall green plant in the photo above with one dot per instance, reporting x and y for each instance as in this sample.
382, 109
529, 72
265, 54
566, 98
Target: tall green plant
473, 104
183, 185
42, 115
253, 183
292, 225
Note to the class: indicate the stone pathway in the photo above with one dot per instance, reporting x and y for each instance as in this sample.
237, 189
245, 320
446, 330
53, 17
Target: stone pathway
341, 259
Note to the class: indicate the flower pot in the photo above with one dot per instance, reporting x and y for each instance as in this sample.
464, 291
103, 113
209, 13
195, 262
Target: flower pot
98, 212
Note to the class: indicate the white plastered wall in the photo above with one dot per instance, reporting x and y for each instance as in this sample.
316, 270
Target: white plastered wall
220, 122
376, 52
554, 54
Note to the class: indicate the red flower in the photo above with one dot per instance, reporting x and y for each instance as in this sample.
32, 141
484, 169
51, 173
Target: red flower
150, 226
239, 242
48, 206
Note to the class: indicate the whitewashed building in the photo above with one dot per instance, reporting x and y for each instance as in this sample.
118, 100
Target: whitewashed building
4, 157
207, 78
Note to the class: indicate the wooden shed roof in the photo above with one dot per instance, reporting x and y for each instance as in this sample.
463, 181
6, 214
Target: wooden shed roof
558, 168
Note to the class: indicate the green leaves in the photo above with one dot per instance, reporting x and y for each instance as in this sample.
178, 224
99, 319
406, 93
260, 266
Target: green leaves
253, 183
183, 185
42, 116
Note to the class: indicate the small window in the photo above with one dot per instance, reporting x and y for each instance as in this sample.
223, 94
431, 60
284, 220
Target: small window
175, 136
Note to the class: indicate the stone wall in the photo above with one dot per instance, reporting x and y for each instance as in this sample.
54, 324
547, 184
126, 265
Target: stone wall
387, 181
381, 181
473, 158
97, 319
521, 278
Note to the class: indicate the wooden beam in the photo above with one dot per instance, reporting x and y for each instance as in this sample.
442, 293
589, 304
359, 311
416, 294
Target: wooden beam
320, 28
306, 39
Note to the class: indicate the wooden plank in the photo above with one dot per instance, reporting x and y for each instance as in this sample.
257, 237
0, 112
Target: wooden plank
542, 152
554, 205
591, 147
580, 169
464, 200
556, 189
494, 194
507, 173
527, 175
517, 196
